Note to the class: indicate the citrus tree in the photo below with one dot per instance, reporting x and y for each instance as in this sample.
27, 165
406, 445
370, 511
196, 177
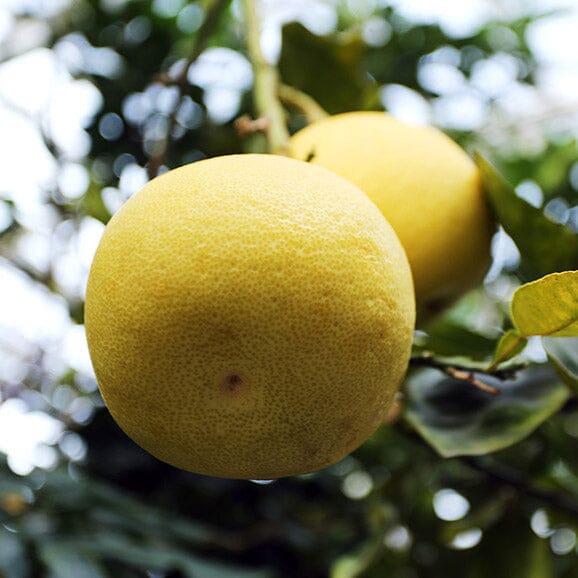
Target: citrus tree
473, 471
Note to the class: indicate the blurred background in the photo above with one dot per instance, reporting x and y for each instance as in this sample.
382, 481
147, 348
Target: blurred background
97, 96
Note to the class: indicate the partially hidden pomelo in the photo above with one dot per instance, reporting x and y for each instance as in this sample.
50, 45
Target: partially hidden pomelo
427, 187
249, 316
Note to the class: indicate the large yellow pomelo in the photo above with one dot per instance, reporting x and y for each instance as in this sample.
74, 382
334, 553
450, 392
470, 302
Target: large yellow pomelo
249, 316
427, 187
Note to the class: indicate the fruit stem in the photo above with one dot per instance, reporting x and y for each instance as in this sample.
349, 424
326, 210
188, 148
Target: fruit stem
266, 89
302, 102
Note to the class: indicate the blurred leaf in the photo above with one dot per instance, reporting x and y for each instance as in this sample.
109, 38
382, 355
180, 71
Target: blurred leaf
549, 170
462, 362
81, 557
132, 532
64, 559
117, 509
346, 567
328, 68
548, 306
545, 246
93, 205
163, 557
508, 347
484, 516
13, 558
447, 338
456, 418
362, 562
514, 552
563, 354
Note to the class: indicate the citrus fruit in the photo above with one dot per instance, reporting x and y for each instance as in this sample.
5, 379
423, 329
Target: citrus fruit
427, 187
249, 316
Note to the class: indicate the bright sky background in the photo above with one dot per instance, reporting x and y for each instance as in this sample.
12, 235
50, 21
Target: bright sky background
39, 85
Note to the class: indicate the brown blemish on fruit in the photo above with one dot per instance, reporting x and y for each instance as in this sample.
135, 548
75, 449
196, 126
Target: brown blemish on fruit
233, 381
234, 384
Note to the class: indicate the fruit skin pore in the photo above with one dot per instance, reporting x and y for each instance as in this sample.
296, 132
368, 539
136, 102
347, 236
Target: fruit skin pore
427, 187
249, 316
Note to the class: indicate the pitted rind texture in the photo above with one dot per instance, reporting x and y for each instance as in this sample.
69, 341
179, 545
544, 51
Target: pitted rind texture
427, 187
249, 316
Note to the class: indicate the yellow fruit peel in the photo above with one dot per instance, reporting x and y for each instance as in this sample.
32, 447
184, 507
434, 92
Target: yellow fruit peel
427, 187
249, 316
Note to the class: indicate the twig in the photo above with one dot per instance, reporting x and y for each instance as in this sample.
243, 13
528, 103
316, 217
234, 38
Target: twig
303, 102
202, 38
245, 125
467, 373
468, 376
180, 80
464, 373
266, 89
560, 500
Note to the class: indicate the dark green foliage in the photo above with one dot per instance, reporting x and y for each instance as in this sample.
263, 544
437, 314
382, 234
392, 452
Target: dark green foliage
545, 246
329, 69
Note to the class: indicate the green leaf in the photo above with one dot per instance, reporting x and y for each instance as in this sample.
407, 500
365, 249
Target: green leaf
461, 362
13, 557
563, 354
508, 347
80, 557
131, 532
447, 338
158, 557
457, 418
548, 306
93, 205
362, 562
63, 559
328, 68
545, 246
115, 509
